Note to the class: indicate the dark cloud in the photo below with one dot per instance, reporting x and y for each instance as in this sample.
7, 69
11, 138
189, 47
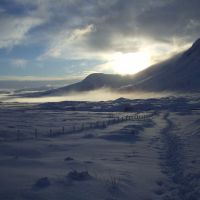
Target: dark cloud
179, 18
157, 21
113, 19
91, 29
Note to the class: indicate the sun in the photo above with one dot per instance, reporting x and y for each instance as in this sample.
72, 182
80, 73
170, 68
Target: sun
130, 63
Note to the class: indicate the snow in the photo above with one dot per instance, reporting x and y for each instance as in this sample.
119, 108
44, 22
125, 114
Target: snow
103, 153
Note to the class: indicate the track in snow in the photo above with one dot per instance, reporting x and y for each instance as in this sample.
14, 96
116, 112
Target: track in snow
182, 185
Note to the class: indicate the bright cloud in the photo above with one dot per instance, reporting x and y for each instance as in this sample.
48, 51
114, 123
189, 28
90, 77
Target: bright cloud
69, 44
14, 29
72, 32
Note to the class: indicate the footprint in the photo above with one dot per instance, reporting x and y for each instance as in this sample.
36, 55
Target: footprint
166, 172
88, 162
159, 182
159, 192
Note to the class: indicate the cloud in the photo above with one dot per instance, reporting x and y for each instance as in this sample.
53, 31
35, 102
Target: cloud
14, 29
178, 18
36, 78
117, 26
97, 29
19, 63
69, 43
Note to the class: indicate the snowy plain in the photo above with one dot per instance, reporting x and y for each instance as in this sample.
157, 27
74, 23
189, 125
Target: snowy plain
142, 149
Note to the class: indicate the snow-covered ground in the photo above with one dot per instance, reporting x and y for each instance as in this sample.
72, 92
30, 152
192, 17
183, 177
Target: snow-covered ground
113, 150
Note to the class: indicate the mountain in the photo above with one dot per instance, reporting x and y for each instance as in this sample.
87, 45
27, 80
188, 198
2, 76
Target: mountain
180, 73
91, 82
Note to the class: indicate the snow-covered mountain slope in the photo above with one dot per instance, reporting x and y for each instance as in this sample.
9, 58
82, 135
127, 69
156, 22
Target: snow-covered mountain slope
91, 82
180, 73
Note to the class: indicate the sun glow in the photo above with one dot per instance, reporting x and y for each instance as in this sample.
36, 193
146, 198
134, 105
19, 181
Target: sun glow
130, 63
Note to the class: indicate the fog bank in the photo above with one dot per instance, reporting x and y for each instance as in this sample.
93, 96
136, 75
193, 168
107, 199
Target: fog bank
97, 95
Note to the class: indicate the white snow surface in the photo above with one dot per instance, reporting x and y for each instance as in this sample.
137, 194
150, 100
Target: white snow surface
116, 150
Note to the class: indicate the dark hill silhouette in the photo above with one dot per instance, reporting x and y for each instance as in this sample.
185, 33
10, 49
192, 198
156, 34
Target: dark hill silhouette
91, 82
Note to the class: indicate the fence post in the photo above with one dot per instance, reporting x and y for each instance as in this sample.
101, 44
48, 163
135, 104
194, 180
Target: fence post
18, 134
50, 132
82, 127
91, 124
74, 128
36, 133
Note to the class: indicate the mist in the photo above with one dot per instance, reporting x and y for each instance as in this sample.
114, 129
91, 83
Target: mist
97, 95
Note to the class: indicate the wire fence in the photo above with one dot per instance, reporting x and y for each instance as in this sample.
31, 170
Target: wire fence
36, 133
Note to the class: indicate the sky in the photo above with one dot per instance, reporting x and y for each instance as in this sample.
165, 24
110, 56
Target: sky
69, 39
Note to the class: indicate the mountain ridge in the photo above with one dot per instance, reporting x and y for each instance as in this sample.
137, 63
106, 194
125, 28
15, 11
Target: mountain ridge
179, 73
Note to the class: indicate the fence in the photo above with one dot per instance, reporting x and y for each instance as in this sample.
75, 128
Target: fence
78, 128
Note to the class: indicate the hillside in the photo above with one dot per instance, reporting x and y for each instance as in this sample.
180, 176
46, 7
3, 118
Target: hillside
180, 73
